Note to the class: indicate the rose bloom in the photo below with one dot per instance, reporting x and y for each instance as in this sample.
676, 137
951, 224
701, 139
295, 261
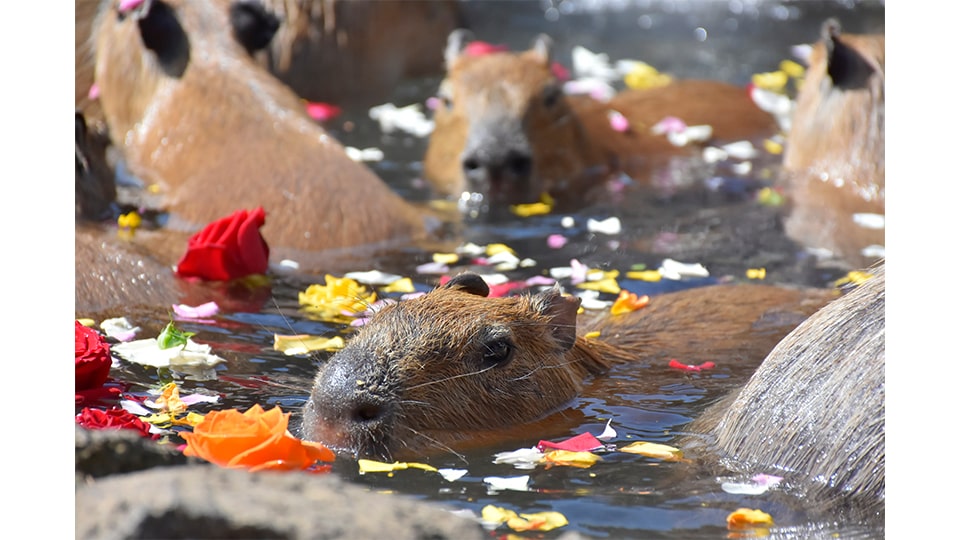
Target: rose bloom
255, 440
92, 360
113, 419
229, 248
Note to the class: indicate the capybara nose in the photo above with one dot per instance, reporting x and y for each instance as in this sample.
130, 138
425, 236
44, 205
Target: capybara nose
482, 167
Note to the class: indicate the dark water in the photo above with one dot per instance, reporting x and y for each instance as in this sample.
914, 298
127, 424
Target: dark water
729, 232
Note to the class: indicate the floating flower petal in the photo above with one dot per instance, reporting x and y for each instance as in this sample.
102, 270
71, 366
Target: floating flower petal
567, 458
372, 466
676, 364
511, 483
654, 450
748, 518
196, 312
304, 344
524, 458
119, 328
627, 302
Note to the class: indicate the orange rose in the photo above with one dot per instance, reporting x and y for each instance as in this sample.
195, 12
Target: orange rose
255, 440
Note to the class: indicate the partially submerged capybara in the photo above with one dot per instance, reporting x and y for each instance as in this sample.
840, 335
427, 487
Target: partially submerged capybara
95, 191
424, 374
814, 411
505, 128
834, 156
194, 115
357, 51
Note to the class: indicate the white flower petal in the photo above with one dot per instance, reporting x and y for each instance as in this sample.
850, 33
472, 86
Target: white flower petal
513, 483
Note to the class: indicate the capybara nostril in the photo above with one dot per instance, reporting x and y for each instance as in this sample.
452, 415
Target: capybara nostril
367, 412
519, 164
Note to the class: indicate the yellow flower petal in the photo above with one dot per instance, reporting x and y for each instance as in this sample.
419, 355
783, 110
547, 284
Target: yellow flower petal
169, 400
338, 295
792, 69
592, 335
402, 285
568, 458
856, 277
495, 514
627, 302
774, 81
608, 285
303, 344
445, 258
643, 75
654, 450
531, 209
645, 275
540, 521
746, 517
772, 147
495, 249
369, 465
756, 273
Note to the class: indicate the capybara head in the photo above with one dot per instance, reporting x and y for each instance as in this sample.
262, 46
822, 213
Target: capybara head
450, 361
834, 155
95, 191
211, 131
503, 128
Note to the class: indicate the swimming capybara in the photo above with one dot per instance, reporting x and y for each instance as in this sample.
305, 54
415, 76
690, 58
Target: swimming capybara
425, 374
197, 118
834, 156
814, 411
506, 129
355, 52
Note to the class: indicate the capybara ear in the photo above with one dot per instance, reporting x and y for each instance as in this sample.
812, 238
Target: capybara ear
253, 25
543, 47
562, 311
456, 42
847, 68
469, 282
161, 32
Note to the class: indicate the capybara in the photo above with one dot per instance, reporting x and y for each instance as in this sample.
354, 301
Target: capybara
834, 156
355, 52
345, 52
505, 128
196, 117
814, 411
424, 374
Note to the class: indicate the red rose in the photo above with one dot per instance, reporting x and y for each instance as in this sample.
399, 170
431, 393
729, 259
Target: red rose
92, 360
113, 419
228, 248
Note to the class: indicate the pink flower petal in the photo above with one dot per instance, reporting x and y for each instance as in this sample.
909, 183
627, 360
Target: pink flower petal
618, 122
480, 48
94, 92
556, 241
195, 312
670, 124
127, 5
322, 112
540, 280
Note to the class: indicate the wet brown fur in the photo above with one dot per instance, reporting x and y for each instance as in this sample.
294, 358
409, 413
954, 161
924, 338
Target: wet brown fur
814, 411
417, 376
356, 51
573, 147
217, 133
834, 157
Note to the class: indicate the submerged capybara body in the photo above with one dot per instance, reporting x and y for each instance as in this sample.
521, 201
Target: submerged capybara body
834, 156
423, 372
350, 52
195, 116
814, 411
505, 128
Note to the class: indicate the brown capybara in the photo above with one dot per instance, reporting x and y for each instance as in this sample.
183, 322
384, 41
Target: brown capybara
814, 411
425, 374
345, 52
196, 117
834, 156
355, 52
505, 129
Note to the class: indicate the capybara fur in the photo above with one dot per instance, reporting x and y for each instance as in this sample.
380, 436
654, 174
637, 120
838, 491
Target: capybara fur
506, 129
834, 156
195, 116
422, 374
814, 411
95, 191
355, 52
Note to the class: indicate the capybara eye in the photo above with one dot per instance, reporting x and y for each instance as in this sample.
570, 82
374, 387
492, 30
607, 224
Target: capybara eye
497, 352
551, 95
253, 25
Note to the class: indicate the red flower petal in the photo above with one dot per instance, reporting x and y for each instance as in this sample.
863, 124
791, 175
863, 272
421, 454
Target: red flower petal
228, 248
92, 361
585, 442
